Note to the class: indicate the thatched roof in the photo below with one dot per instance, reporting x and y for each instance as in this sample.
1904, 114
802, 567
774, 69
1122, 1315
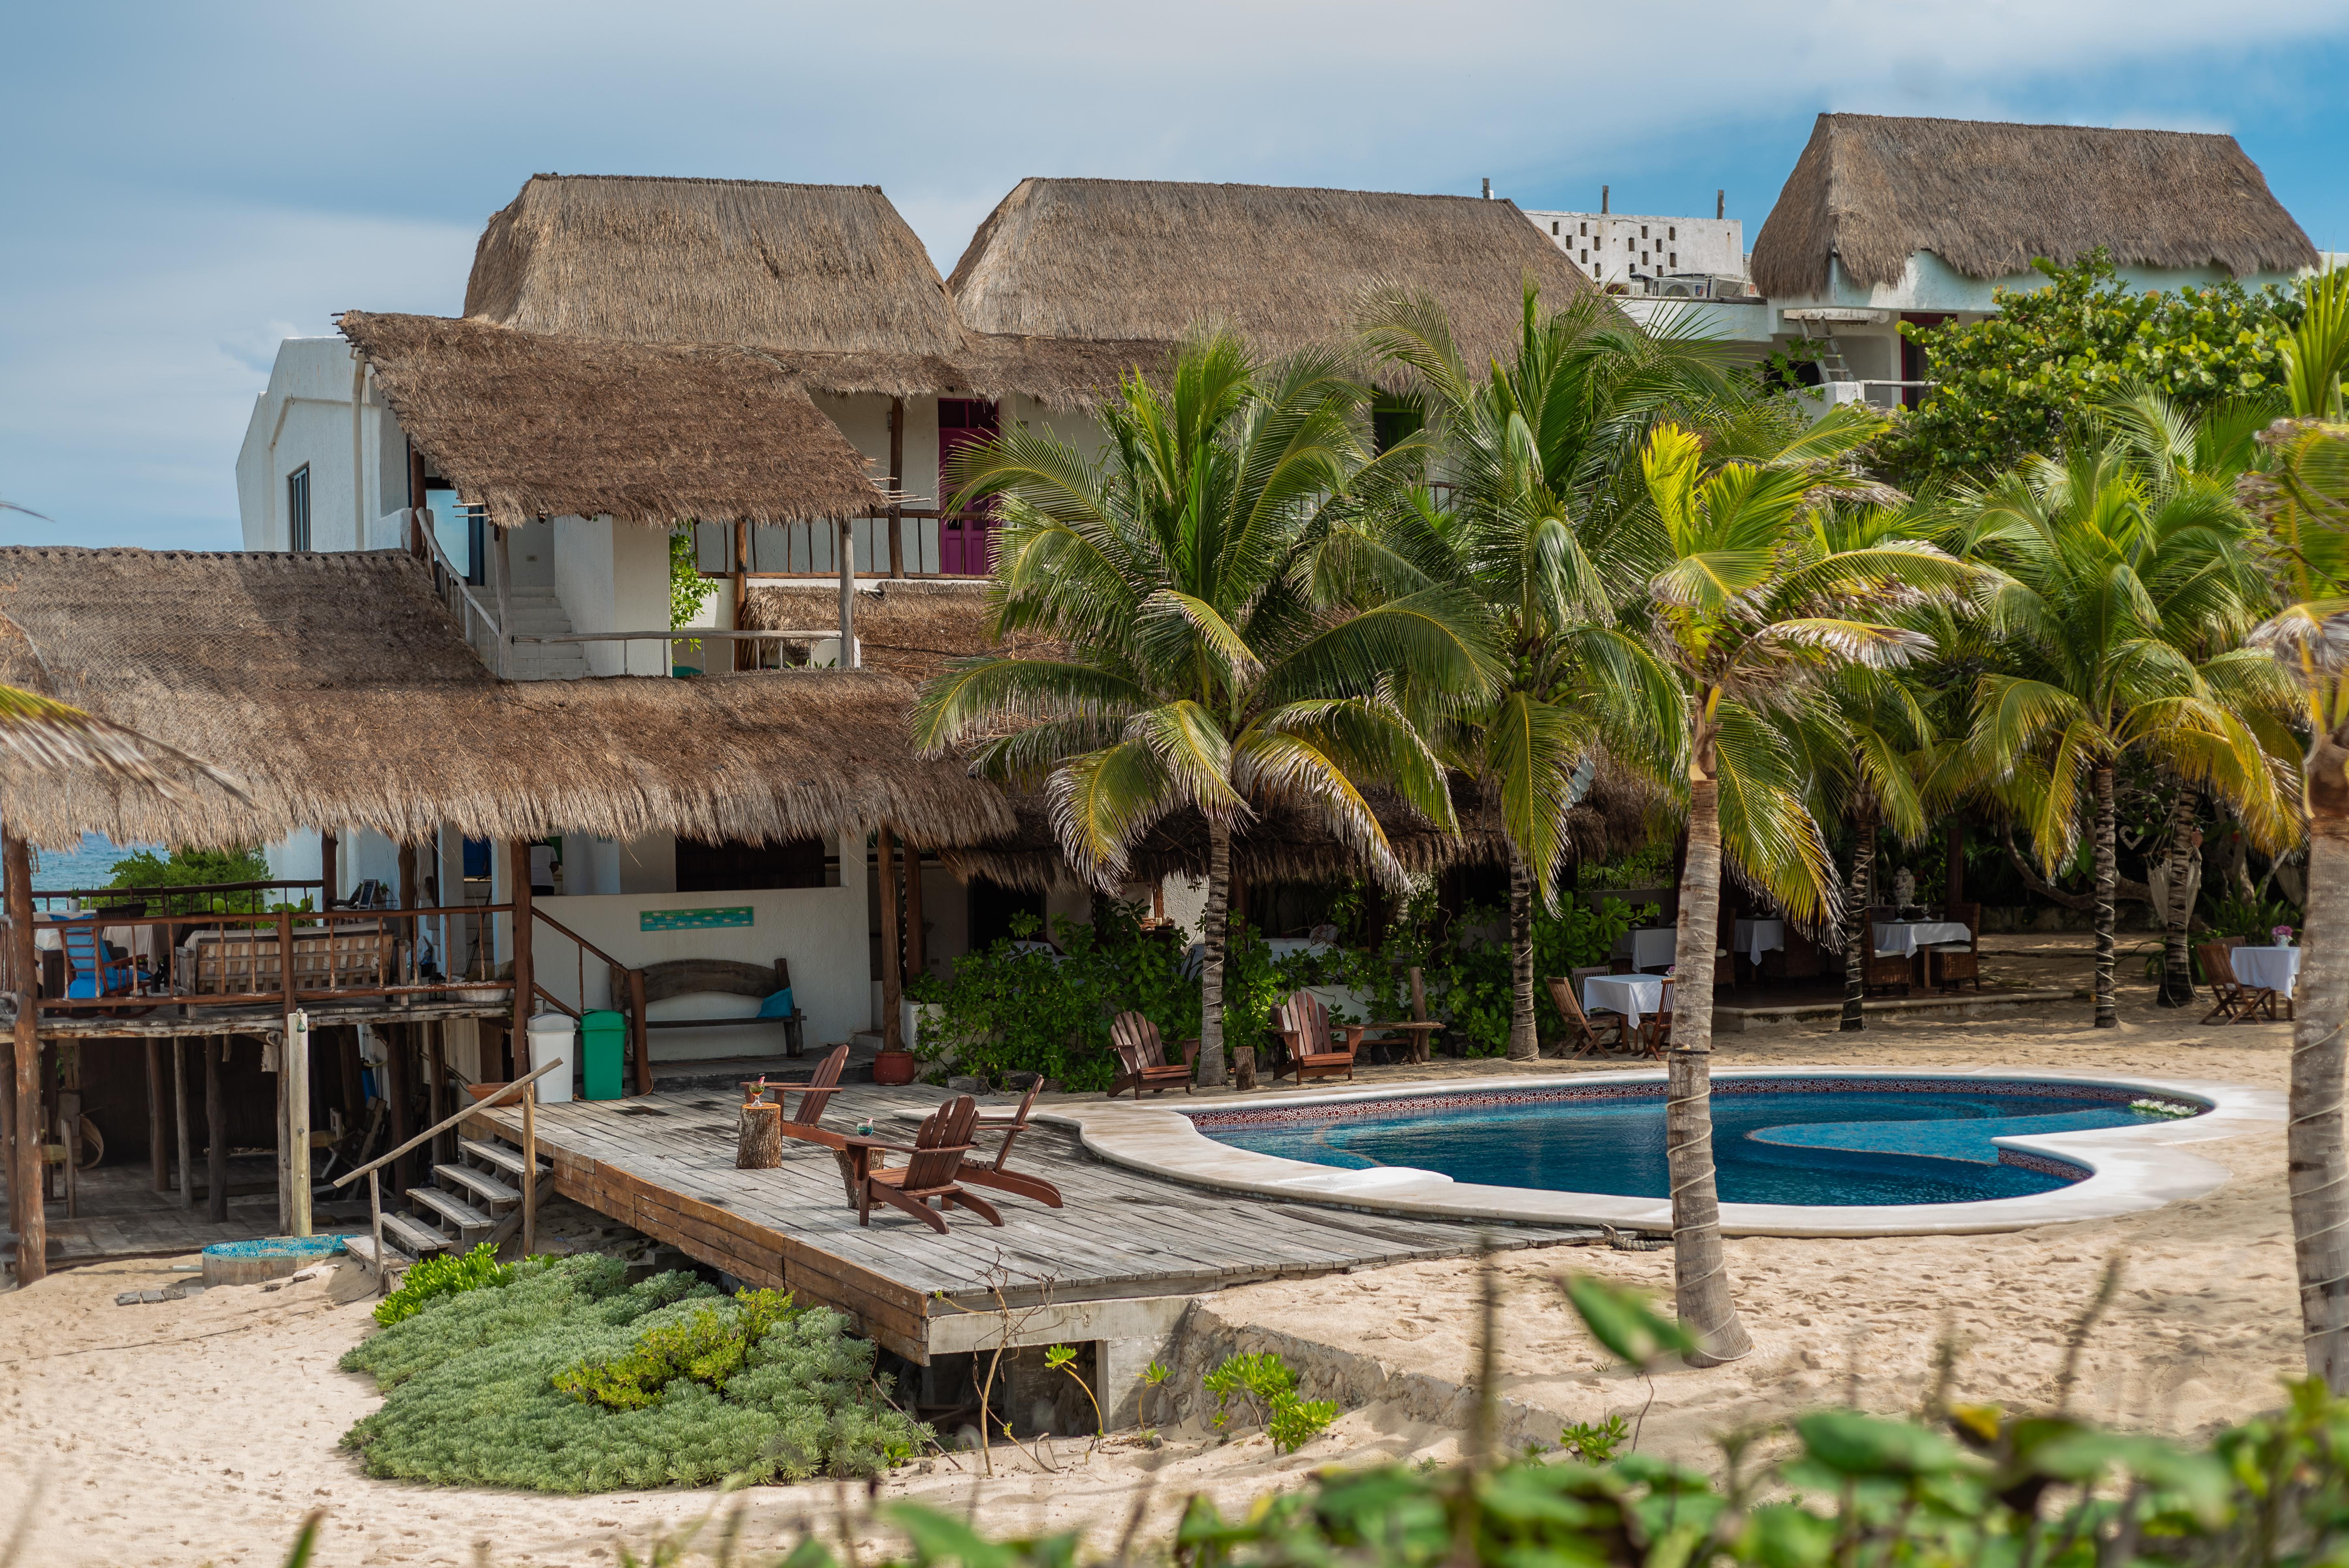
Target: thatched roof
530, 425
908, 627
1146, 259
1989, 199
829, 267
338, 692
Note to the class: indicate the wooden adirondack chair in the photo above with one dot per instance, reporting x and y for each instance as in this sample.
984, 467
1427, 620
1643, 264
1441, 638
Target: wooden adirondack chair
805, 1121
1143, 1056
1581, 1034
1304, 1025
994, 1175
931, 1170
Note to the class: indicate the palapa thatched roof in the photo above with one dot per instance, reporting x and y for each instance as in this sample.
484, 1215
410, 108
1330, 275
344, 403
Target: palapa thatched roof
829, 267
908, 627
827, 279
533, 426
1144, 260
340, 695
1990, 198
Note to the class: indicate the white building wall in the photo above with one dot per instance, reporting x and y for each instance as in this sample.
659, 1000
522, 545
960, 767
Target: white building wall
303, 417
1610, 246
611, 576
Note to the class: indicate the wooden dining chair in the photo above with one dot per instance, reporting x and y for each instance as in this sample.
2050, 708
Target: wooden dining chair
1583, 1033
1954, 963
2235, 1002
1656, 1029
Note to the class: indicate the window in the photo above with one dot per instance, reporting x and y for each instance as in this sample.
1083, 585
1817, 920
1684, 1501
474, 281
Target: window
1671, 233
732, 865
1553, 226
1643, 231
297, 508
1394, 418
1586, 231
1675, 262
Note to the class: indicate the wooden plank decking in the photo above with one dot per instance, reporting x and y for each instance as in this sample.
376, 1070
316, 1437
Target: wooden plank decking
664, 1163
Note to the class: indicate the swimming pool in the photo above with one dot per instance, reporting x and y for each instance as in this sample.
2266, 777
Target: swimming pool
1801, 1140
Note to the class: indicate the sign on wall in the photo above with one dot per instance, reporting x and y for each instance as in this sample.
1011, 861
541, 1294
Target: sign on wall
693, 920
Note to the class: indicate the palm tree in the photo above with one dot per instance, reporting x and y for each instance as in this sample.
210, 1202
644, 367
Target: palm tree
1752, 612
2304, 497
1540, 454
1214, 660
2119, 613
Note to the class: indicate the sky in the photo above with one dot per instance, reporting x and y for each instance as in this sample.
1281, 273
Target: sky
187, 185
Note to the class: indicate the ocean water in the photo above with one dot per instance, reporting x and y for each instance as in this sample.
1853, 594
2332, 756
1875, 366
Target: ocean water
89, 864
1850, 1146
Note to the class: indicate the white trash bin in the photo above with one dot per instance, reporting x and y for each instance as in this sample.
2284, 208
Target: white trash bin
554, 1036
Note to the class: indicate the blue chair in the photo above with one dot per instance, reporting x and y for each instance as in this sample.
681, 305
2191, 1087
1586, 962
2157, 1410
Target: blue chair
93, 970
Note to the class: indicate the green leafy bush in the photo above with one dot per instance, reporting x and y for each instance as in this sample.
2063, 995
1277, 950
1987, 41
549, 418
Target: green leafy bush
440, 1275
186, 867
710, 1349
471, 1396
1265, 1382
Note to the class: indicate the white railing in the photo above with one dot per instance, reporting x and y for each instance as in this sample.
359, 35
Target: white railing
449, 583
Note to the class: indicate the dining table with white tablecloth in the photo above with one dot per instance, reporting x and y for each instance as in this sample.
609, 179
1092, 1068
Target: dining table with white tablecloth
1648, 947
1632, 995
1755, 938
2266, 969
1902, 939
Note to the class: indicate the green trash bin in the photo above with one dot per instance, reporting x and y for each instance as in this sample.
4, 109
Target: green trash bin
604, 1052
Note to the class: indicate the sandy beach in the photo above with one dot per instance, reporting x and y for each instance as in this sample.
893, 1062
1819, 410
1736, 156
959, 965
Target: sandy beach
204, 1430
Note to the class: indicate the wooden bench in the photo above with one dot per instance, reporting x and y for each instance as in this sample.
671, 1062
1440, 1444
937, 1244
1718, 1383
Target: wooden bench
326, 958
728, 977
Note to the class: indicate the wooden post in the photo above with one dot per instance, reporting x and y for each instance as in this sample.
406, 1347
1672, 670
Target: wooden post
28, 1176
742, 593
328, 845
375, 1228
639, 1035
215, 1131
916, 952
896, 486
848, 659
505, 605
399, 1094
436, 1075
893, 984
180, 1114
517, 873
285, 1117
159, 1154
298, 1118
530, 1170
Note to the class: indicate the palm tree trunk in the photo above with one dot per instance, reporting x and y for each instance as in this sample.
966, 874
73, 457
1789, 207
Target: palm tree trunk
1858, 938
1701, 1276
2314, 1159
2177, 903
1525, 1045
1211, 932
2107, 878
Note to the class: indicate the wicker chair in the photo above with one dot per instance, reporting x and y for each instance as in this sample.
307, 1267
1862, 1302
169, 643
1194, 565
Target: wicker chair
1954, 963
1882, 971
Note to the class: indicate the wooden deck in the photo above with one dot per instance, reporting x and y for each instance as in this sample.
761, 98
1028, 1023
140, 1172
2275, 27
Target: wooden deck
664, 1163
182, 1016
123, 1215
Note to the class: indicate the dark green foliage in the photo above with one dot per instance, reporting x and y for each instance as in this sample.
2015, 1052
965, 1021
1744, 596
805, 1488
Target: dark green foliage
186, 867
2022, 380
472, 1398
441, 1275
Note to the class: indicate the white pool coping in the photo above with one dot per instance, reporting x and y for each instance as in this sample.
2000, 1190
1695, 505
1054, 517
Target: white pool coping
2132, 1168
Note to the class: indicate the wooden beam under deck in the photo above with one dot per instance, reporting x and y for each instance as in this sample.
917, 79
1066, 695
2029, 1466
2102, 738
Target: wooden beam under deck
664, 1164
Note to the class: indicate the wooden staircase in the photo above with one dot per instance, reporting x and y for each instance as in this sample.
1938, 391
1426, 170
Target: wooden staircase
476, 1199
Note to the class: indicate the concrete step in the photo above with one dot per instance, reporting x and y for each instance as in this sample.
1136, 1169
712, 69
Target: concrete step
450, 1211
481, 1189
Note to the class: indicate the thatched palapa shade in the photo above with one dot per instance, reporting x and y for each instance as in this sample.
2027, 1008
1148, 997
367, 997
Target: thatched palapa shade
340, 694
534, 426
828, 280
1989, 199
1143, 260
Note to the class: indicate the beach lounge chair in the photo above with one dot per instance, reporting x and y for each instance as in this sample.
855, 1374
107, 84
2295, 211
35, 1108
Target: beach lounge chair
1141, 1055
1586, 1036
994, 1175
932, 1168
2235, 1002
1304, 1025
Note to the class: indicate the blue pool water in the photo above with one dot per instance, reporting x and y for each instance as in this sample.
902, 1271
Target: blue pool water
1850, 1144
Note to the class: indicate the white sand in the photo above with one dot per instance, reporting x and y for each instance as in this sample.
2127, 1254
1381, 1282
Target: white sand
202, 1431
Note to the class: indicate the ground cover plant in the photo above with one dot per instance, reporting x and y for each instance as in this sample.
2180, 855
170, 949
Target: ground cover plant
565, 1377
441, 1275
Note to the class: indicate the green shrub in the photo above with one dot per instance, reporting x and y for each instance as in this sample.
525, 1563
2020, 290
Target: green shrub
1264, 1381
472, 1397
440, 1275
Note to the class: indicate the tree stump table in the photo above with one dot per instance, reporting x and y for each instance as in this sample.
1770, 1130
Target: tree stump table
759, 1137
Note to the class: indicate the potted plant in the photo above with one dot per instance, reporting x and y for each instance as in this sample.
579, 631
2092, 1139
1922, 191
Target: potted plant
893, 1067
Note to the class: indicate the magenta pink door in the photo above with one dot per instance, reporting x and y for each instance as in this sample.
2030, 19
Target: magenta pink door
964, 540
